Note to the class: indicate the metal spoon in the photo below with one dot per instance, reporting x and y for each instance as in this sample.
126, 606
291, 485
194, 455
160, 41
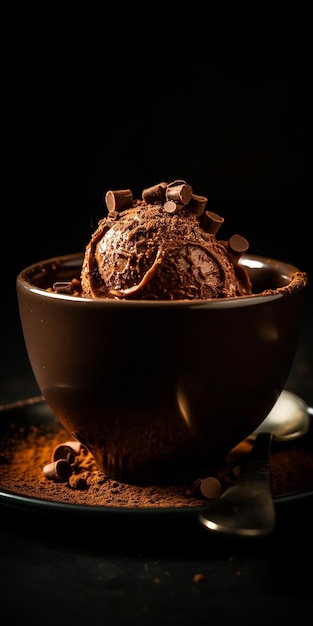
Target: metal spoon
247, 508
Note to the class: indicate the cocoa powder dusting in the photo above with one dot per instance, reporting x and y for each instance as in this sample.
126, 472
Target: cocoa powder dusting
26, 449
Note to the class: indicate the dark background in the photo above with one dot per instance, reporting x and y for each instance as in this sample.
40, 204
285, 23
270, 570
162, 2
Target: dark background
127, 96
218, 93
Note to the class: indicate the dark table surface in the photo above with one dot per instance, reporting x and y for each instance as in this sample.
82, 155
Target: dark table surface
67, 567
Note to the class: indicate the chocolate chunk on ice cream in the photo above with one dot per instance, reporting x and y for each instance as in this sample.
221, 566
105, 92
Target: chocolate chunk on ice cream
162, 247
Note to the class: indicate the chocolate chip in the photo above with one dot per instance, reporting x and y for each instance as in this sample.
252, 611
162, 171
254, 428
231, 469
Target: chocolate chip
180, 193
118, 200
198, 204
179, 181
59, 471
211, 487
211, 222
155, 193
67, 451
172, 207
194, 490
63, 287
238, 245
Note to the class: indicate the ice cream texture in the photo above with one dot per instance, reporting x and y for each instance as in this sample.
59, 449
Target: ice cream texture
162, 247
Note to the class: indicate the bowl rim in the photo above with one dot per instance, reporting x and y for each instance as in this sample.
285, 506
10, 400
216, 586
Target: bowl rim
296, 281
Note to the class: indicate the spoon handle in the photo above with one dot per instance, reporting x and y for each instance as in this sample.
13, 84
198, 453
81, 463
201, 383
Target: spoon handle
246, 508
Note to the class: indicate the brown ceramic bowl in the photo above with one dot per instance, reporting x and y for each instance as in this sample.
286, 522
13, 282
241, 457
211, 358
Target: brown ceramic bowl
158, 391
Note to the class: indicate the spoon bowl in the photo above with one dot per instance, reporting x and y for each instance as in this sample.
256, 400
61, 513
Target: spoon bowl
288, 419
247, 508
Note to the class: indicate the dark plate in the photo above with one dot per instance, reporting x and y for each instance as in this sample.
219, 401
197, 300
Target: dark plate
24, 415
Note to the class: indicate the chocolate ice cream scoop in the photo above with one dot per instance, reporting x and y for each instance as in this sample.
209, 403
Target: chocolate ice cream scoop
162, 247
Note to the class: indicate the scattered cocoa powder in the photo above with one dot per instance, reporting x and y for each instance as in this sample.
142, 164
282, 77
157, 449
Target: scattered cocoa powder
26, 448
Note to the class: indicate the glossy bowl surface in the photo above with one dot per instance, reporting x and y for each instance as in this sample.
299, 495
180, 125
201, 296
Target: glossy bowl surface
159, 391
